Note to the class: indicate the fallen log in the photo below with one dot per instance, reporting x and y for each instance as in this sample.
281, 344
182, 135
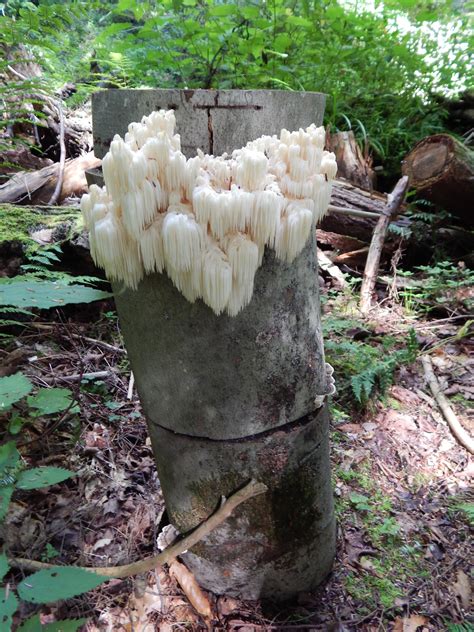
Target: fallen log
37, 187
348, 196
23, 227
18, 159
343, 243
441, 169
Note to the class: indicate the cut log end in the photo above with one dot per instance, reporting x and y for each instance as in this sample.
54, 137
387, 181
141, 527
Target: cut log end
441, 169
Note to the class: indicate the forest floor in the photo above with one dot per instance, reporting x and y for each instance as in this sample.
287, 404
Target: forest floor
400, 478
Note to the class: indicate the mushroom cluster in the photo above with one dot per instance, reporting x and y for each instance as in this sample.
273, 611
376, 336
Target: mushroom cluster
205, 220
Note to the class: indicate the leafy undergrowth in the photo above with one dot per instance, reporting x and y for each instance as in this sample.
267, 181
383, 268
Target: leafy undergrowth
401, 483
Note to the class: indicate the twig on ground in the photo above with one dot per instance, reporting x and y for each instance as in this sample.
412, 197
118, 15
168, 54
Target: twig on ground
100, 343
432, 324
75, 377
74, 399
453, 422
131, 384
253, 488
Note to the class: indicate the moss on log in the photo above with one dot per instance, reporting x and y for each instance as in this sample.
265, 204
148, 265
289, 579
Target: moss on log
29, 226
23, 229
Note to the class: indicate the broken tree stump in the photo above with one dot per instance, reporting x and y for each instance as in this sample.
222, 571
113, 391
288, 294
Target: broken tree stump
352, 164
230, 399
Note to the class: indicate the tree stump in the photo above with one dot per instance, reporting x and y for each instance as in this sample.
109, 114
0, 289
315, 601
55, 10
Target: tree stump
230, 399
352, 164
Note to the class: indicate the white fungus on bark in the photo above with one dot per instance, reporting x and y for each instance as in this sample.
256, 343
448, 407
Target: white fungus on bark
205, 220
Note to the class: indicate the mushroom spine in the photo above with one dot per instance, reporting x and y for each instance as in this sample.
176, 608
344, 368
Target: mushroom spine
205, 220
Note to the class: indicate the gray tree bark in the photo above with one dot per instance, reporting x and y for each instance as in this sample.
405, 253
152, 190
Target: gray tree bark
230, 399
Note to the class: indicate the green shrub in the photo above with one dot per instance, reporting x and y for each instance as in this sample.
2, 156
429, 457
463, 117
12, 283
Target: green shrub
44, 586
383, 70
441, 285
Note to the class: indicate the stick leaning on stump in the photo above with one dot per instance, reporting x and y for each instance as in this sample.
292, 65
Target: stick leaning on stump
394, 202
232, 398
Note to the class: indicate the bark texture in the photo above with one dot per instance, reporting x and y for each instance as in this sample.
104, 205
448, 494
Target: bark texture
231, 399
352, 164
276, 544
222, 377
441, 169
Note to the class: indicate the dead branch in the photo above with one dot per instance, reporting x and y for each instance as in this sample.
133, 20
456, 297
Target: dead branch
327, 265
457, 429
95, 375
394, 201
253, 488
352, 211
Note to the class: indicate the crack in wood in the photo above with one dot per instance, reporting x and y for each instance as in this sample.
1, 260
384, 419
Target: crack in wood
285, 428
210, 131
228, 107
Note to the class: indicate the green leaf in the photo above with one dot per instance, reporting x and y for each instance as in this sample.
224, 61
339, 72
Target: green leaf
40, 259
16, 424
12, 389
9, 459
334, 12
4, 565
39, 477
222, 10
59, 582
468, 509
360, 501
50, 400
33, 624
5, 497
46, 294
50, 553
9, 467
8, 606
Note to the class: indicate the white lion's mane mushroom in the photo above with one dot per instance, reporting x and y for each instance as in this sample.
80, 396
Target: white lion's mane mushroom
205, 220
